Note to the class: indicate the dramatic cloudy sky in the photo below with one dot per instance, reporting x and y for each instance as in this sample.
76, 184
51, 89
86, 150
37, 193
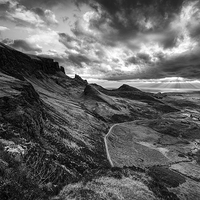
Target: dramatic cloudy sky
108, 39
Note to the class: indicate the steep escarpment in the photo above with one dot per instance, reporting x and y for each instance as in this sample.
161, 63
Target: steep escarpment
29, 163
40, 138
17, 64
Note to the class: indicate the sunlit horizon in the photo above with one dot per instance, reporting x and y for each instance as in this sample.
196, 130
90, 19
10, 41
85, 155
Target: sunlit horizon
168, 84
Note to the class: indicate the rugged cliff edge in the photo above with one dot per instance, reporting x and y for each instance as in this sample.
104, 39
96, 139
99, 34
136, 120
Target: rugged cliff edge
52, 130
46, 137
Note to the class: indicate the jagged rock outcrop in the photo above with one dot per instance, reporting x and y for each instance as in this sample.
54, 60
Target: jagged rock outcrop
80, 80
17, 64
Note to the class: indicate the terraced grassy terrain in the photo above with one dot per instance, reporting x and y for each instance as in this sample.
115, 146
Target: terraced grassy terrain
165, 146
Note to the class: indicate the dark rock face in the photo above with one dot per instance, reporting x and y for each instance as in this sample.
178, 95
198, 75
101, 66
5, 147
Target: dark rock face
18, 64
80, 80
52, 130
62, 69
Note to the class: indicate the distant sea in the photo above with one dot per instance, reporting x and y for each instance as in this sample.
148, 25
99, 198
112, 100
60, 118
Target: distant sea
156, 90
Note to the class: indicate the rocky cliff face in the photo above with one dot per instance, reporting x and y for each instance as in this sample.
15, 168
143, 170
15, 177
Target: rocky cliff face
52, 130
18, 64
39, 116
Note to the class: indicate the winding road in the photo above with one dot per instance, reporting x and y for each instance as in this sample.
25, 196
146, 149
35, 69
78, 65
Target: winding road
106, 144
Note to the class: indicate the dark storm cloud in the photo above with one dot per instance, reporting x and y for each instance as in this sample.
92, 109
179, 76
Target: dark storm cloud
132, 60
71, 43
144, 74
113, 6
39, 11
25, 17
4, 6
169, 40
68, 41
22, 45
138, 22
78, 59
121, 21
193, 24
185, 65
46, 15
195, 32
140, 58
126, 16
43, 3
144, 57
82, 46
126, 25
